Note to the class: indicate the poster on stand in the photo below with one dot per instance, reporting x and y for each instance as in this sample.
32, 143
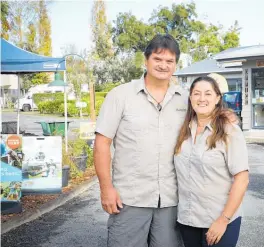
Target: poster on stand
87, 132
42, 165
11, 173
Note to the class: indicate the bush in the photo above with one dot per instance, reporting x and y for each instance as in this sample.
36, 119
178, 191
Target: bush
72, 110
76, 149
98, 103
49, 107
99, 94
106, 87
41, 97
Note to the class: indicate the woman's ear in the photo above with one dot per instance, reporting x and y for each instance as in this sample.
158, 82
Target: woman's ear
218, 100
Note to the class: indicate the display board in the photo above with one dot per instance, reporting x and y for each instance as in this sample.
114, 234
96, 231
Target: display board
42, 165
11, 173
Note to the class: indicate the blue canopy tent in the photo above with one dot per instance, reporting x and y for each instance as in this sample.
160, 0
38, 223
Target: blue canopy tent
15, 60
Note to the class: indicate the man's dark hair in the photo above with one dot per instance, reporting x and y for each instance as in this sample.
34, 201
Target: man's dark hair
161, 42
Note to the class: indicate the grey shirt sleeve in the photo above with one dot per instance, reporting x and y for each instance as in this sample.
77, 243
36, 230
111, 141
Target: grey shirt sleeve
110, 114
237, 154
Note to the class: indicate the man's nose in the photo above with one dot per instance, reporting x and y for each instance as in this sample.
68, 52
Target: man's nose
162, 65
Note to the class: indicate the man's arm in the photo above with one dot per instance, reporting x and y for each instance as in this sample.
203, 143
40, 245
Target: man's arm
102, 160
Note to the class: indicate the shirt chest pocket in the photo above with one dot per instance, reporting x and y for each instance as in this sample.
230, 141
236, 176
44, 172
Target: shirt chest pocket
213, 158
137, 124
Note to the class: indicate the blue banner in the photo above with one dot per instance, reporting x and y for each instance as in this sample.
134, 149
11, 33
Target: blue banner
11, 173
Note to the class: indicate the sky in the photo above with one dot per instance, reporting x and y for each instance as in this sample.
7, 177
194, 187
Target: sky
71, 20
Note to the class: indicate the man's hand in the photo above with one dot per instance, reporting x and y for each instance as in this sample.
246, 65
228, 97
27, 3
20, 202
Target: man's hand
216, 231
110, 199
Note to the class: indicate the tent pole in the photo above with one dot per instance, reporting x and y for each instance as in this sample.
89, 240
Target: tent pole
18, 97
65, 113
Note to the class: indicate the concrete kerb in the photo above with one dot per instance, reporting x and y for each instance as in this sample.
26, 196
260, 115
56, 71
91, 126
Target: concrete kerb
47, 207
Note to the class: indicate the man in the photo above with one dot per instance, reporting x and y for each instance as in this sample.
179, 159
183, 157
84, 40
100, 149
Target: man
142, 118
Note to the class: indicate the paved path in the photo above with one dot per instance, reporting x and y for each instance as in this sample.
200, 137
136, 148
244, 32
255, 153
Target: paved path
28, 122
82, 223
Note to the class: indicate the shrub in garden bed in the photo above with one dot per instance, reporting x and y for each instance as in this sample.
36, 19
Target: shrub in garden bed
41, 97
79, 157
49, 107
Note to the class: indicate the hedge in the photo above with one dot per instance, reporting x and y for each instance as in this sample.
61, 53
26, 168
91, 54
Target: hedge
57, 107
41, 97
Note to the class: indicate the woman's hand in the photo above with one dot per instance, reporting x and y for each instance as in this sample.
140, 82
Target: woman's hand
216, 230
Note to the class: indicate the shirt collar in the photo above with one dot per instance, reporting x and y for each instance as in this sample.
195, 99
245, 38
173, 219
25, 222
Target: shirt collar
193, 126
173, 88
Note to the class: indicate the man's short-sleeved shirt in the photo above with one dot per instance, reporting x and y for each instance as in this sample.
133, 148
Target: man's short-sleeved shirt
205, 176
144, 139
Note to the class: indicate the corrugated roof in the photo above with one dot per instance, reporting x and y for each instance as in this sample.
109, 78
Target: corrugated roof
209, 65
241, 52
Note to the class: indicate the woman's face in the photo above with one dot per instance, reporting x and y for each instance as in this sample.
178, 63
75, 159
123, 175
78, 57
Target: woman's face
204, 98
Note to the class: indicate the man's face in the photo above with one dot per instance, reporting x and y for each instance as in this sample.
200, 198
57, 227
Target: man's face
161, 65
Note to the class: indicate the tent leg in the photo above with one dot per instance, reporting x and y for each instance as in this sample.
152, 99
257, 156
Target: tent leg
18, 97
65, 113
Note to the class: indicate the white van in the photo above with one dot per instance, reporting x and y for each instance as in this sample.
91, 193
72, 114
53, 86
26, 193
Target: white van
26, 103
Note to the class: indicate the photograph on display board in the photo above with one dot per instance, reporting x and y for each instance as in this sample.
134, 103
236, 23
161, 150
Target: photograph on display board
42, 164
11, 173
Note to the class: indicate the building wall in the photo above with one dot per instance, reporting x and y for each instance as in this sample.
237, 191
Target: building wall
186, 81
246, 101
247, 93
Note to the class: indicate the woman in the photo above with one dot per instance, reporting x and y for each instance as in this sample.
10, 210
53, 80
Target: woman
212, 169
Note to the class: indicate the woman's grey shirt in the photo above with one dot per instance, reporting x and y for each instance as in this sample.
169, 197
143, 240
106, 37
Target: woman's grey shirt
205, 176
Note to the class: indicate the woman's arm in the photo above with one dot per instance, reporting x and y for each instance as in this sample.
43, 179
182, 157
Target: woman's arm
237, 192
237, 162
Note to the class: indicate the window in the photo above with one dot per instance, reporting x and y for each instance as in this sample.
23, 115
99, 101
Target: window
184, 79
258, 97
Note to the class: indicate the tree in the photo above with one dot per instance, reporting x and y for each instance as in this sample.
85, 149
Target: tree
231, 37
130, 34
180, 20
121, 68
177, 21
5, 27
44, 30
31, 38
77, 71
101, 31
20, 14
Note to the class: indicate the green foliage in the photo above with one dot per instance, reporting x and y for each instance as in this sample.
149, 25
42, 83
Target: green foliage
34, 79
76, 148
98, 104
130, 34
180, 20
50, 107
119, 68
105, 88
5, 27
41, 97
72, 110
101, 31
67, 160
102, 93
231, 38
53, 103
44, 29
